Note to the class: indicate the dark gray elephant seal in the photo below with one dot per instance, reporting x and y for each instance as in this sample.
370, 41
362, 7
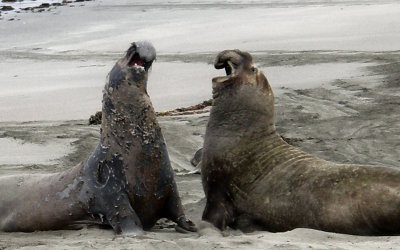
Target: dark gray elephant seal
253, 179
127, 182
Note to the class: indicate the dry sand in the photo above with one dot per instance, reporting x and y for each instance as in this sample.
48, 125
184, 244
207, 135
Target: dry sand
351, 120
332, 100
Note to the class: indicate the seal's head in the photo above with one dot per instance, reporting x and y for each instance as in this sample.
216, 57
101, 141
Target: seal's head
244, 89
240, 71
125, 93
134, 66
140, 54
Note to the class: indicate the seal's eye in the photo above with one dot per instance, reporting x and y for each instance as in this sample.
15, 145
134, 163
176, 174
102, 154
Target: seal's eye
253, 69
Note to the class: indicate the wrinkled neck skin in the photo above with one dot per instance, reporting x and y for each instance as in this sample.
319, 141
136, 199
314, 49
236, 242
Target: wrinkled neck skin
239, 131
129, 125
128, 115
241, 112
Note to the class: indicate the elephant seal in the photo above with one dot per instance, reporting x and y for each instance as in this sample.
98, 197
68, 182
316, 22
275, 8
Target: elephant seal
252, 179
126, 183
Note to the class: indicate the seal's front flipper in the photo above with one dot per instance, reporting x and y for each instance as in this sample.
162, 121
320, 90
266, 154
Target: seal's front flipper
184, 225
174, 212
247, 224
126, 223
123, 218
130, 226
219, 214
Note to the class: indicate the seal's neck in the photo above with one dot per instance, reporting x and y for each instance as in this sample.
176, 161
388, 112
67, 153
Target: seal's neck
128, 117
244, 111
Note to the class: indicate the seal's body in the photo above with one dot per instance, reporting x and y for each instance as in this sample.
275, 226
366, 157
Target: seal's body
41, 201
127, 182
254, 180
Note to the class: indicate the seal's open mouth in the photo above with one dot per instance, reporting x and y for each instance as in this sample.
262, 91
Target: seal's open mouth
229, 70
137, 62
141, 55
221, 82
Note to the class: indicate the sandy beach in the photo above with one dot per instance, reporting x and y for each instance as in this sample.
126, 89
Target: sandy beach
333, 65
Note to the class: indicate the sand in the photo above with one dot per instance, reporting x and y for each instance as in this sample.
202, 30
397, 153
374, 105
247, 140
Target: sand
336, 84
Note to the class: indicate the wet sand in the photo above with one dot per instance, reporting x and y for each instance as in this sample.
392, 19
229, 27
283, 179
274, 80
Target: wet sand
341, 104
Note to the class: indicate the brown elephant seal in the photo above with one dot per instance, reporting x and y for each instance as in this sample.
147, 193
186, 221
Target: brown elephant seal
253, 179
127, 182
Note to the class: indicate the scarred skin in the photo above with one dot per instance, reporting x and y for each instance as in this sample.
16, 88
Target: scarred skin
127, 182
252, 179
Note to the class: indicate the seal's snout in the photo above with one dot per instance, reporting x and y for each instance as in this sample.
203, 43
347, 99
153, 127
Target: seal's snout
234, 62
133, 67
229, 60
141, 54
240, 71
